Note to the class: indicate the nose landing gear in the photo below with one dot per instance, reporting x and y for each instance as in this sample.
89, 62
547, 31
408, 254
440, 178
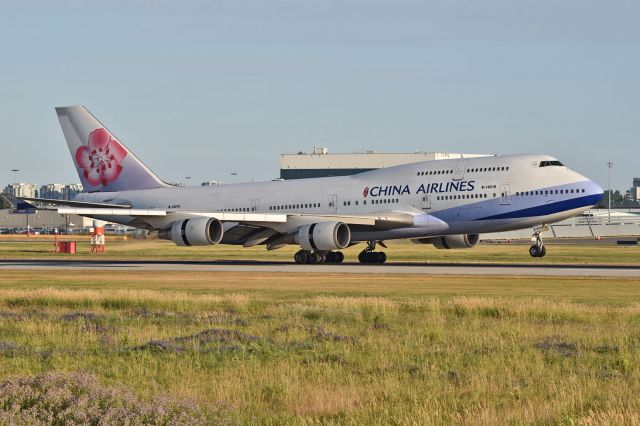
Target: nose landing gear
369, 255
538, 249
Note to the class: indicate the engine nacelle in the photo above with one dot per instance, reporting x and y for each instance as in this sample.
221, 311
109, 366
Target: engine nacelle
195, 231
451, 241
324, 236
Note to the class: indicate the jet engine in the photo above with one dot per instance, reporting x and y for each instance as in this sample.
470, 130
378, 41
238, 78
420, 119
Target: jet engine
195, 231
324, 236
451, 241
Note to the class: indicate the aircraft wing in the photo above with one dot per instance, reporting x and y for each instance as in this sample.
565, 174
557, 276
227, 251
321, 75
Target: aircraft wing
85, 208
385, 220
247, 228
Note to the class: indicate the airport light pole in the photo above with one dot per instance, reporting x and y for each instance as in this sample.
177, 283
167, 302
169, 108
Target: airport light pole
15, 175
610, 164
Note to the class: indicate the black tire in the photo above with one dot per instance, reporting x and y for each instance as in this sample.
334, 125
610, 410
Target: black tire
312, 258
338, 257
363, 257
543, 251
381, 257
296, 258
330, 257
534, 251
304, 257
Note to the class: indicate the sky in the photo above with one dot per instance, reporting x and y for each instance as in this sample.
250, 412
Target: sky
210, 88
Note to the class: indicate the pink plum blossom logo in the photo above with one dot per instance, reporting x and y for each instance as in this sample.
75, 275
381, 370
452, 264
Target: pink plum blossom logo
365, 192
101, 158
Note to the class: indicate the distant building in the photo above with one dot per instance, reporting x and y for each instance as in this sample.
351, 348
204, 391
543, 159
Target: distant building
211, 183
29, 190
322, 164
54, 191
633, 194
58, 191
72, 190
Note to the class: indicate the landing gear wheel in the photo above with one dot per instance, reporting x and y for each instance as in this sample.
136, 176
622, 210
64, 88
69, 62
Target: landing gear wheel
301, 257
534, 251
338, 257
538, 249
369, 255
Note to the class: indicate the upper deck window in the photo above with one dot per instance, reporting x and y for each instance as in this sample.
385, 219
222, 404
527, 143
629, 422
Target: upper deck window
550, 163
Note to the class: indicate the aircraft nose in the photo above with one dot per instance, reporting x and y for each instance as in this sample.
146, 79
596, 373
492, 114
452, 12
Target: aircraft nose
595, 191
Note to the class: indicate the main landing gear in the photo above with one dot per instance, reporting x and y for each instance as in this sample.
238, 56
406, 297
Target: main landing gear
538, 249
312, 258
369, 255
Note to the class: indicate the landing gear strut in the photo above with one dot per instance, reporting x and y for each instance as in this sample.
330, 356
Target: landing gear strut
312, 258
538, 249
369, 255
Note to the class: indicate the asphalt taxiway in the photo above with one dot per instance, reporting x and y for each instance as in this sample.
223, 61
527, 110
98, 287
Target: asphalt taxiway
522, 269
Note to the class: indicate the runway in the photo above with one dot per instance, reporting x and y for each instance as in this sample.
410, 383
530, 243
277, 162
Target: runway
522, 269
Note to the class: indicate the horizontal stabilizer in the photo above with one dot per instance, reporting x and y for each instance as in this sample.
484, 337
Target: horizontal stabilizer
110, 212
70, 203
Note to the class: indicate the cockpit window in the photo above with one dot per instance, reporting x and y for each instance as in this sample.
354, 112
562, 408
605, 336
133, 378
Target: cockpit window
550, 163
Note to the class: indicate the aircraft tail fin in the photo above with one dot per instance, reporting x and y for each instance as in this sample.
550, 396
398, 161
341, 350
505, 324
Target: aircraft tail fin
102, 161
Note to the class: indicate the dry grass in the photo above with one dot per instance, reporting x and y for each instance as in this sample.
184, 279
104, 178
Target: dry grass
309, 349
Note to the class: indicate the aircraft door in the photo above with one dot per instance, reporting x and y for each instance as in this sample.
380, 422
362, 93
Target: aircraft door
426, 202
333, 203
255, 205
458, 172
505, 194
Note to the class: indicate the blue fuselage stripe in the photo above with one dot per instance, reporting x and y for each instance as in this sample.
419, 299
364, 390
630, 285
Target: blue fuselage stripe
548, 209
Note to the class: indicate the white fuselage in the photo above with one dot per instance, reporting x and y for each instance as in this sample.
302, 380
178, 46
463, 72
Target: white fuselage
476, 195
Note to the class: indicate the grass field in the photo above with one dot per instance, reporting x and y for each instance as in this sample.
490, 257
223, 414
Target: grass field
324, 349
398, 251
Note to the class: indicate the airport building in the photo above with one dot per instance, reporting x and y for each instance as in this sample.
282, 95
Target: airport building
12, 220
320, 163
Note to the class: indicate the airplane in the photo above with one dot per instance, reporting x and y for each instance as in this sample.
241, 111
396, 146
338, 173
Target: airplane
446, 203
